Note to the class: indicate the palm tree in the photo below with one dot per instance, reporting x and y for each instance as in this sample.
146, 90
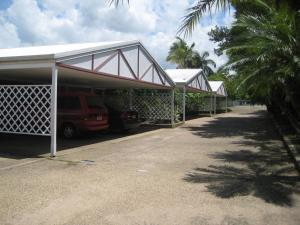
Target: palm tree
184, 56
181, 54
196, 12
202, 61
265, 53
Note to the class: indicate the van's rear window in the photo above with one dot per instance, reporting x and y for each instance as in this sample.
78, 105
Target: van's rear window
68, 102
94, 102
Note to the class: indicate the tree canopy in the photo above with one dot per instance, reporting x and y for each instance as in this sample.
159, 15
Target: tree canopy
184, 56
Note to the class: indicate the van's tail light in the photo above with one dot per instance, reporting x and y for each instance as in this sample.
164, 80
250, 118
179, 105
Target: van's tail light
98, 116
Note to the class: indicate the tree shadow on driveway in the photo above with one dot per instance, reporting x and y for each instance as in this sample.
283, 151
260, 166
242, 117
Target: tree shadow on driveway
261, 168
229, 181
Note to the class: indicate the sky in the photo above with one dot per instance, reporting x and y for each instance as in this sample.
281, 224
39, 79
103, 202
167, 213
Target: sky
153, 22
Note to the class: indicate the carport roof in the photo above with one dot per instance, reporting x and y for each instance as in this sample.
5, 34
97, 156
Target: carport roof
218, 87
193, 79
109, 64
57, 51
182, 75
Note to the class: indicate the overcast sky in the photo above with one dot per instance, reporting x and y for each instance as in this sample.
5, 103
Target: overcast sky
153, 22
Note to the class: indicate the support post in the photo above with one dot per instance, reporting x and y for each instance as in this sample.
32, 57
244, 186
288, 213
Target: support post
172, 107
54, 111
211, 105
183, 103
215, 104
226, 105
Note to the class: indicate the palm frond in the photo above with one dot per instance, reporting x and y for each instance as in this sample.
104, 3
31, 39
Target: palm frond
194, 13
117, 2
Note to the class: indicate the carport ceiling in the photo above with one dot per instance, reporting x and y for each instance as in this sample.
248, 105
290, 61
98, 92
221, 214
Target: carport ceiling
193, 79
104, 65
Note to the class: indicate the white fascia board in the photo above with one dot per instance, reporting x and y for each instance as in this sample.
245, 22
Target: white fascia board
27, 64
180, 84
27, 58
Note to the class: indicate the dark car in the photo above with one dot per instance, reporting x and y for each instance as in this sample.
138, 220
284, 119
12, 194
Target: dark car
79, 112
122, 120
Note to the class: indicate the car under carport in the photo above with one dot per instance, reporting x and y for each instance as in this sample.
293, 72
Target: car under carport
30, 76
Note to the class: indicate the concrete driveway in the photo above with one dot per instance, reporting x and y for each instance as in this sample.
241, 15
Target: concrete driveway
228, 170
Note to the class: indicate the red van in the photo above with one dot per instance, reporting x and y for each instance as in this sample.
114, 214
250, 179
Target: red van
79, 111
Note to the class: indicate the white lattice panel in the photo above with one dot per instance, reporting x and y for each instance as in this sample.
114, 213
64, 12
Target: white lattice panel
25, 109
150, 106
153, 106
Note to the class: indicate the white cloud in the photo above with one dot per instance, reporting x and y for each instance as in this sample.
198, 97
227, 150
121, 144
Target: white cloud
8, 35
154, 22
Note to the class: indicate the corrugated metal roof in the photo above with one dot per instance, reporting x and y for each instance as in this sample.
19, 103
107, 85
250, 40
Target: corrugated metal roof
57, 51
182, 75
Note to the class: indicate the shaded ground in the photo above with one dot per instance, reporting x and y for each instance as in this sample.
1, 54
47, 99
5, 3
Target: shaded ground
227, 170
266, 172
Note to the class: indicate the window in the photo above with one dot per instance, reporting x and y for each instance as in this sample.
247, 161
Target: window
68, 102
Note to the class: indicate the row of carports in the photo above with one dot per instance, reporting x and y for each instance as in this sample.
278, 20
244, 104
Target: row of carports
193, 80
30, 77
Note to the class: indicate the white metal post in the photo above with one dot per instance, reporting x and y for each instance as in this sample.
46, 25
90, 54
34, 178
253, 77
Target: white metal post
211, 104
54, 111
183, 103
226, 105
215, 104
172, 107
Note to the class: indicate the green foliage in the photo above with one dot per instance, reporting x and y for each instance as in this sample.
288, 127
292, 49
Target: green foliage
185, 56
194, 13
194, 102
263, 49
181, 54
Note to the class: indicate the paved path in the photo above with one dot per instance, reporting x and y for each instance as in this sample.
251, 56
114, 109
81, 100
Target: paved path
227, 170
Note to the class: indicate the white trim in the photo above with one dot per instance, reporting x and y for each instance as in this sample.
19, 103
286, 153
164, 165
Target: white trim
215, 104
211, 105
226, 104
25, 65
172, 107
54, 110
183, 104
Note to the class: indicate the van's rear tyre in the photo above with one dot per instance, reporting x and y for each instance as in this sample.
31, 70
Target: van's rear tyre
69, 131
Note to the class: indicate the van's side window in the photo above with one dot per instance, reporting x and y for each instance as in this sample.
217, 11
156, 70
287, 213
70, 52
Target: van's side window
68, 102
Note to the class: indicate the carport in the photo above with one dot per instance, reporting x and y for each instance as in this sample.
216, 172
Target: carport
218, 90
29, 79
189, 80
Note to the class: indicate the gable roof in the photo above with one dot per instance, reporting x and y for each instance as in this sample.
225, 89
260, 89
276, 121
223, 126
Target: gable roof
128, 60
218, 87
182, 75
191, 78
58, 51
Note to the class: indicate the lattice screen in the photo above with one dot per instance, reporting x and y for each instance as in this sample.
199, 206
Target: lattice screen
221, 103
156, 106
206, 106
25, 109
178, 107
